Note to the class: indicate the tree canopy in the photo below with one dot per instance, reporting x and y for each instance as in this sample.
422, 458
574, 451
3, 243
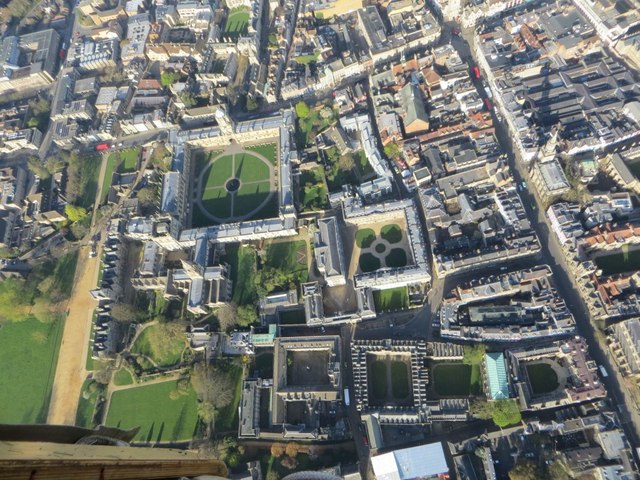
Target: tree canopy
506, 413
302, 110
168, 78
75, 214
473, 354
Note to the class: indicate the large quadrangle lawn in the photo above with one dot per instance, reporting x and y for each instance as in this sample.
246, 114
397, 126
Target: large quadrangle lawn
28, 355
378, 380
237, 21
399, 380
456, 379
151, 408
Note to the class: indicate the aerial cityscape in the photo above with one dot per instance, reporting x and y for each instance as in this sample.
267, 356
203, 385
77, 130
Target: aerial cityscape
320, 239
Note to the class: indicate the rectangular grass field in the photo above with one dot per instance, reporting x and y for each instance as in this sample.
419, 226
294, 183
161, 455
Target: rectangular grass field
150, 407
620, 262
391, 299
28, 355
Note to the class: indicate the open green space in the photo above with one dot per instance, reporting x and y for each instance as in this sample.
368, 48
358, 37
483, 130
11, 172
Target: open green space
391, 299
122, 377
88, 181
237, 21
250, 168
399, 380
219, 172
250, 197
242, 262
163, 343
365, 237
306, 59
378, 380
160, 417
267, 150
456, 379
129, 160
396, 258
391, 233
29, 354
542, 378
217, 202
368, 262
112, 164
621, 262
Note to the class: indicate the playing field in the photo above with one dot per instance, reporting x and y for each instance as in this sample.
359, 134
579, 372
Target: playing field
28, 353
160, 418
235, 185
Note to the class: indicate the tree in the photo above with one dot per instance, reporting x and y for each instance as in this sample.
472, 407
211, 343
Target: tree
481, 409
125, 313
75, 214
168, 78
227, 316
473, 354
147, 197
557, 471
214, 388
292, 449
252, 104
188, 99
392, 150
505, 413
525, 470
247, 315
277, 449
346, 163
273, 475
302, 110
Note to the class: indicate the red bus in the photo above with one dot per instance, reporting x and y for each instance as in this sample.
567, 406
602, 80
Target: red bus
476, 72
487, 103
102, 147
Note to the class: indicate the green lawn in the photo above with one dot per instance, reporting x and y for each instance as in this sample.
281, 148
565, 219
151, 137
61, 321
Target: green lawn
129, 160
88, 185
542, 377
396, 258
365, 237
399, 380
306, 59
391, 299
237, 22
250, 197
452, 380
163, 343
122, 377
112, 164
368, 263
267, 150
227, 418
29, 355
251, 169
151, 408
620, 262
456, 379
378, 380
242, 262
391, 233
219, 172
311, 126
217, 202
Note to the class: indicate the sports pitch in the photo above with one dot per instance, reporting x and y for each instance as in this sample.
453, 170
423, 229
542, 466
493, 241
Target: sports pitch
235, 185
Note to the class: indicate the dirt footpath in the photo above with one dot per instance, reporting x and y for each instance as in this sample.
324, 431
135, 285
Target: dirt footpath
72, 359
